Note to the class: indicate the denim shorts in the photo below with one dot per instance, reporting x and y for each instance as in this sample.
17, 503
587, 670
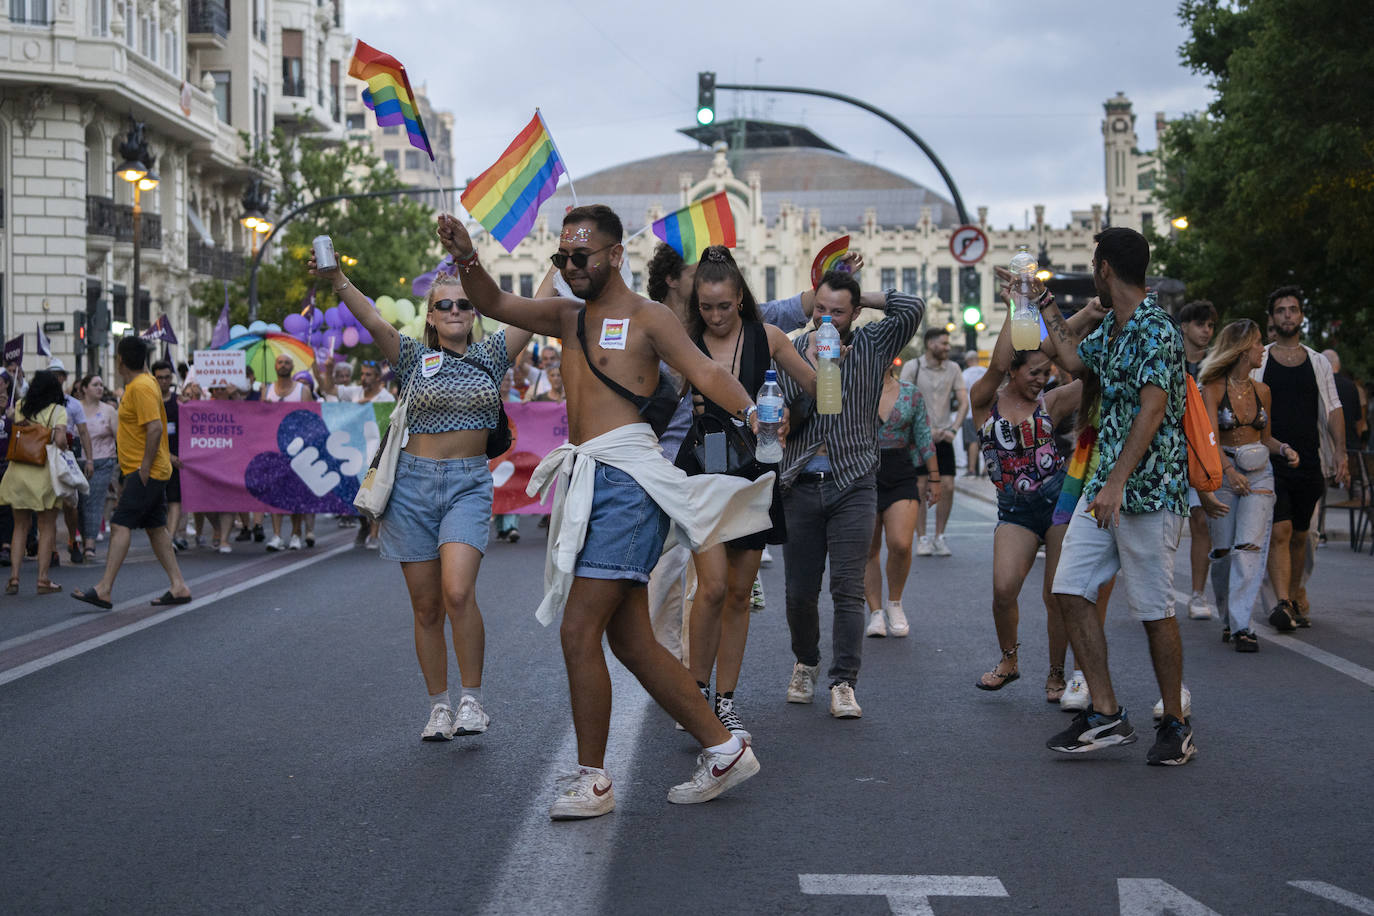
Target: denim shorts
1033, 511
625, 532
436, 501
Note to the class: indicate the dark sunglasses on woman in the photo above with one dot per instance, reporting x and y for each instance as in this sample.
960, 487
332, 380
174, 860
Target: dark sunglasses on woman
444, 305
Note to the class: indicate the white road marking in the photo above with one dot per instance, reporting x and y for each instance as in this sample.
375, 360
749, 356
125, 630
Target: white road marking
38, 664
1153, 897
1336, 895
907, 895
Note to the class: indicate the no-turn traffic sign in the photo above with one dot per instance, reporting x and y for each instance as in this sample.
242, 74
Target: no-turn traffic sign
968, 244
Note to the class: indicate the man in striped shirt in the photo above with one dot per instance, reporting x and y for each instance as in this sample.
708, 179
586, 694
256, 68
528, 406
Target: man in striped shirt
829, 495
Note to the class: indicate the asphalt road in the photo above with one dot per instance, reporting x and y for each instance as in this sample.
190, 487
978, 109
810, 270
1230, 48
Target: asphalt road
258, 752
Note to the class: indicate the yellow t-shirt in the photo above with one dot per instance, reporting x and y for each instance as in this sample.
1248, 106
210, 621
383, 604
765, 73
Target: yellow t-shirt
142, 404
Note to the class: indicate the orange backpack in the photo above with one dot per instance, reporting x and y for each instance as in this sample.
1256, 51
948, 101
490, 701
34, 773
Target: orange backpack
1204, 454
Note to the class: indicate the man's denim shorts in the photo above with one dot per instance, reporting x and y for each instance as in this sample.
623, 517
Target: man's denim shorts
626, 530
436, 501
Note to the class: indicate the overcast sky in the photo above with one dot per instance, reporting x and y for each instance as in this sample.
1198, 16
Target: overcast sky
1008, 95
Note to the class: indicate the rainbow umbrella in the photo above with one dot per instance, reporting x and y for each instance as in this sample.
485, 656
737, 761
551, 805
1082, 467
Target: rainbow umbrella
261, 352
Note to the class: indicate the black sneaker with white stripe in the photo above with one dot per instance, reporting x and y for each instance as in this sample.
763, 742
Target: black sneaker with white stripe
1173, 743
1091, 731
725, 712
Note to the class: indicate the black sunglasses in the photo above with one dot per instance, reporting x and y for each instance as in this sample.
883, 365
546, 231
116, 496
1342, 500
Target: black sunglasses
444, 305
578, 258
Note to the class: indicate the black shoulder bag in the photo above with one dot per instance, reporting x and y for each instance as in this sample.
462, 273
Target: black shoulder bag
657, 409
498, 438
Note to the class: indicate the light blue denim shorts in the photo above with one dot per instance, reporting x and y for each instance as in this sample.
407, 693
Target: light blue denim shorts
436, 501
626, 530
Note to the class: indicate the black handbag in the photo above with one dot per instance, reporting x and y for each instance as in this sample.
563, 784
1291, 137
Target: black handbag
657, 409
720, 447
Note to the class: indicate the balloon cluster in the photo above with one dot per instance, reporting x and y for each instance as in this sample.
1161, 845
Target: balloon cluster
258, 327
403, 315
333, 328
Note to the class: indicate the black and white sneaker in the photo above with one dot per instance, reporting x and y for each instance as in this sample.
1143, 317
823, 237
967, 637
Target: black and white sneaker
725, 712
1173, 743
1091, 731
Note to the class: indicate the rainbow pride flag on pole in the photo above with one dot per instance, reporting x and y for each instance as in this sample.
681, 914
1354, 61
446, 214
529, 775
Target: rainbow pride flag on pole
690, 230
388, 92
506, 197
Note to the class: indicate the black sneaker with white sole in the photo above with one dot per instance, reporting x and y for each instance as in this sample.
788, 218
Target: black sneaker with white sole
1173, 743
1091, 731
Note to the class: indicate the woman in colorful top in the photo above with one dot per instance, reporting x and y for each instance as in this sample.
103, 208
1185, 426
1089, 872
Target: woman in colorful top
438, 518
101, 421
1027, 468
1239, 408
27, 488
904, 446
723, 321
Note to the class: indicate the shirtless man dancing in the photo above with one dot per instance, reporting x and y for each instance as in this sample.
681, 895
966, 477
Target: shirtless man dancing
616, 494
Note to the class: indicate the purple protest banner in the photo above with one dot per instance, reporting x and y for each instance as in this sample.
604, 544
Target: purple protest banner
14, 351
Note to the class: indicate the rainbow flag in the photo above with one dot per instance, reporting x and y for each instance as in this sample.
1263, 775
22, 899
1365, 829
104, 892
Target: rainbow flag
690, 230
388, 92
506, 197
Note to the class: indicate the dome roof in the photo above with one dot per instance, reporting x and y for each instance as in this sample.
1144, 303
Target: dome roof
842, 188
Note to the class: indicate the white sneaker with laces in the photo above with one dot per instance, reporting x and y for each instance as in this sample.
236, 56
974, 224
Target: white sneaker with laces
1076, 697
1187, 705
924, 547
714, 774
581, 795
225, 548
877, 625
941, 548
766, 559
471, 718
802, 687
440, 725
842, 702
295, 543
273, 545
897, 624
1199, 608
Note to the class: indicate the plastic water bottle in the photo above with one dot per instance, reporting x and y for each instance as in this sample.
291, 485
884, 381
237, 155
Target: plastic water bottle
828, 368
1025, 319
769, 450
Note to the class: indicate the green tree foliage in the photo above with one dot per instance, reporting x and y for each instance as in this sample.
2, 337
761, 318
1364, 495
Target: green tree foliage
392, 237
1277, 176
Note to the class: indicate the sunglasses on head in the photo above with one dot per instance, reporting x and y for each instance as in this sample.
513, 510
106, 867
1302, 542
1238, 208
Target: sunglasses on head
444, 305
369, 363
578, 258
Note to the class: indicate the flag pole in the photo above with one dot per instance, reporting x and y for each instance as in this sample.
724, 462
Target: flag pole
439, 182
557, 152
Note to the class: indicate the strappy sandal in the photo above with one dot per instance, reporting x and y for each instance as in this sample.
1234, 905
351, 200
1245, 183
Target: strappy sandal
48, 588
12, 587
1002, 679
1245, 641
1054, 693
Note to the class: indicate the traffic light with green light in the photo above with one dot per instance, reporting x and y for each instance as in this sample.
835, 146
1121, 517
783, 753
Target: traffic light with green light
706, 97
973, 316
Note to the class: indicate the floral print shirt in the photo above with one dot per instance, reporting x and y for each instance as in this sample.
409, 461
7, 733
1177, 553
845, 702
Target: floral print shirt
1147, 350
907, 426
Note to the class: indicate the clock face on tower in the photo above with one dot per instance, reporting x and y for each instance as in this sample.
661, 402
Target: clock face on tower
1120, 125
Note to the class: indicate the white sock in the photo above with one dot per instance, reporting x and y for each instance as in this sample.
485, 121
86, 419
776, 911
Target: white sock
733, 746
474, 692
600, 771
439, 699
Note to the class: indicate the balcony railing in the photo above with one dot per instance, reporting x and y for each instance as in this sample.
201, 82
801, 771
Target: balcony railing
214, 262
208, 17
107, 218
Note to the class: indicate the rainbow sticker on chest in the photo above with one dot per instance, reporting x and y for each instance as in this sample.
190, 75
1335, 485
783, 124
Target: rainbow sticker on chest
614, 332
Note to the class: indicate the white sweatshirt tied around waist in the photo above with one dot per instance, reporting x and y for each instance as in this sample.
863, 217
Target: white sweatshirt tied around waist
707, 509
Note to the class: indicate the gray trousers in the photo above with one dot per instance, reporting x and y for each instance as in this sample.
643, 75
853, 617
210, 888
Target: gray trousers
823, 519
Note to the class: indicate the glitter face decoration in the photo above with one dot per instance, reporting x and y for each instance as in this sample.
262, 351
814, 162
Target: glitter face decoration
579, 235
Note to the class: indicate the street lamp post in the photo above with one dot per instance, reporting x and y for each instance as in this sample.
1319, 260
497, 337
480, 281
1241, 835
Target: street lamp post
137, 170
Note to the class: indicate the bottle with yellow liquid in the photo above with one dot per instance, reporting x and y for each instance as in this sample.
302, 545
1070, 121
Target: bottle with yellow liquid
1025, 318
827, 367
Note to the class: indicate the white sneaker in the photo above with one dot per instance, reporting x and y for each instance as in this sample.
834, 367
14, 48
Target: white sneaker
766, 559
941, 548
225, 548
1076, 697
471, 719
370, 543
275, 544
1187, 705
295, 543
842, 702
440, 725
757, 601
802, 687
1199, 608
581, 795
877, 625
714, 774
897, 624
924, 547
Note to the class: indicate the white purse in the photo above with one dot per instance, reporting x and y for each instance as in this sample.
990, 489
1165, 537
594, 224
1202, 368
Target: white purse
375, 490
67, 478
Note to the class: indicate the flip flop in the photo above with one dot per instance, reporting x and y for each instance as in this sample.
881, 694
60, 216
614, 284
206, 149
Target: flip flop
90, 597
168, 598
1004, 680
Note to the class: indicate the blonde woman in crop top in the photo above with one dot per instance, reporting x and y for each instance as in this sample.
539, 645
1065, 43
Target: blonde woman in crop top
438, 518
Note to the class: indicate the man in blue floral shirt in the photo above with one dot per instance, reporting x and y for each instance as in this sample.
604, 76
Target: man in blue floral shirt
1130, 516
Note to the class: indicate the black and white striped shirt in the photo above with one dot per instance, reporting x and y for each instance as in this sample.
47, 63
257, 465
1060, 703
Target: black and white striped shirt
851, 436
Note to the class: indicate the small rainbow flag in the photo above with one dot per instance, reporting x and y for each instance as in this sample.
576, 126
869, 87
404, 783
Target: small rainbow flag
506, 197
388, 92
828, 258
690, 230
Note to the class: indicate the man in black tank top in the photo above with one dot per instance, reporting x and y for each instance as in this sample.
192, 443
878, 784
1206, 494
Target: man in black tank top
1304, 392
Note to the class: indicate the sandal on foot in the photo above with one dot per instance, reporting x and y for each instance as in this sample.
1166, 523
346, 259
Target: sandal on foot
168, 598
1055, 685
90, 596
1002, 679
1226, 633
48, 588
1245, 641
1281, 619
12, 587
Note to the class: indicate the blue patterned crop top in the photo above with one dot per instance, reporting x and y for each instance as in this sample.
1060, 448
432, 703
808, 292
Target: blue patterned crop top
450, 393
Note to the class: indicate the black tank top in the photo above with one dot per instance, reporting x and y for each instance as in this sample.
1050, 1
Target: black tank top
1296, 404
753, 362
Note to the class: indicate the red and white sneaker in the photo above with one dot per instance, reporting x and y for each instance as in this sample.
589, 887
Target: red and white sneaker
714, 774
581, 795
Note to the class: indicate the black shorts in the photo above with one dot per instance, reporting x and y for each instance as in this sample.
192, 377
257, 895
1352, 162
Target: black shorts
1296, 494
141, 505
897, 479
944, 458
174, 486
